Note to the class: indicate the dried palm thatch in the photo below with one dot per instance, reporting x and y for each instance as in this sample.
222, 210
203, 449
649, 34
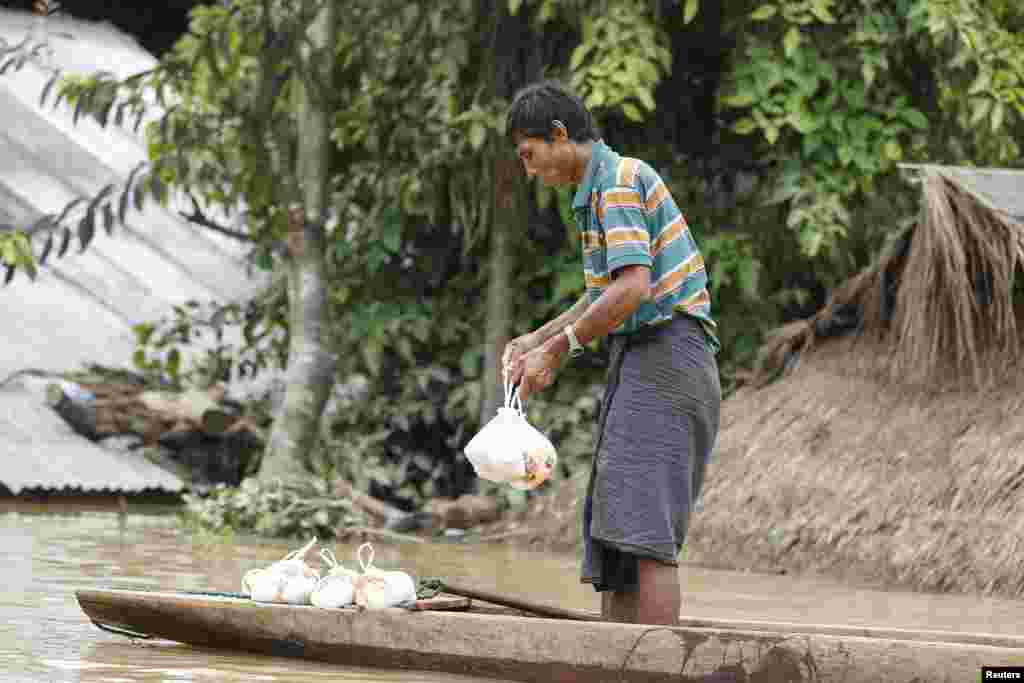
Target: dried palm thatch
830, 471
940, 301
955, 304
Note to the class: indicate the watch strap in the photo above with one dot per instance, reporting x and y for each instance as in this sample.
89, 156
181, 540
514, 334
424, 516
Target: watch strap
575, 348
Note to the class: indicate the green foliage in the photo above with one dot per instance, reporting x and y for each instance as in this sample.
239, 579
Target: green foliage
261, 343
16, 252
310, 509
830, 85
620, 59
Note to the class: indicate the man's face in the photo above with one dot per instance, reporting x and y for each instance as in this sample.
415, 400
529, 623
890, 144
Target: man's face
552, 162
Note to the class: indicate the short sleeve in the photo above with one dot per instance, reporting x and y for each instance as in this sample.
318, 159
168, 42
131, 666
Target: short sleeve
627, 237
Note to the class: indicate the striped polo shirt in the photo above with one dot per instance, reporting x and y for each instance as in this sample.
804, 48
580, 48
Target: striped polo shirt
626, 216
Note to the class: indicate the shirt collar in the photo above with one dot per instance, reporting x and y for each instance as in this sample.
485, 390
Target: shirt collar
598, 152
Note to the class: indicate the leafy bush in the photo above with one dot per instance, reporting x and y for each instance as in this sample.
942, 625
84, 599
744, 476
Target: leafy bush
275, 509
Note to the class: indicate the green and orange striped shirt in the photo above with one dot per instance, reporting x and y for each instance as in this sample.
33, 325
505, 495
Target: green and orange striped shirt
626, 216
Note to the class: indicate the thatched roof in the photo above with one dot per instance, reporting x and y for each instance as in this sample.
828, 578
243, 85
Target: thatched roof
941, 299
890, 445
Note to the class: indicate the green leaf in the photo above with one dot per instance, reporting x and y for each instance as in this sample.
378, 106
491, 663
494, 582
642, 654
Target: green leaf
820, 9
747, 276
264, 260
86, 229
68, 208
771, 133
764, 12
998, 112
745, 126
140, 195
578, 55
513, 6
845, 155
47, 248
477, 135
632, 112
143, 332
691, 10
804, 121
139, 359
65, 243
914, 118
47, 88
980, 109
108, 218
173, 365
791, 41
982, 82
893, 150
646, 99
743, 99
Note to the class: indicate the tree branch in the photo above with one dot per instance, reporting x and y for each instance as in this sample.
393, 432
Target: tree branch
200, 218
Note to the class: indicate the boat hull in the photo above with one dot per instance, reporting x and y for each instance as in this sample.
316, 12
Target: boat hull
538, 649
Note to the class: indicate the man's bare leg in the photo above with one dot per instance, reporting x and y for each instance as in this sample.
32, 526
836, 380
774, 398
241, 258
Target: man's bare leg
657, 600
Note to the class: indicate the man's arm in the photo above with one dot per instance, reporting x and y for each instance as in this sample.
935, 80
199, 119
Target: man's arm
630, 287
555, 327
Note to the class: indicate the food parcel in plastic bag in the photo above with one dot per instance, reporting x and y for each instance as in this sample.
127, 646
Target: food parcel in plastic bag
377, 589
509, 450
337, 588
289, 580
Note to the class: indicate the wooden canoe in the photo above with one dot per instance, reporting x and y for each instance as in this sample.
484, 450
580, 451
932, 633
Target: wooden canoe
500, 643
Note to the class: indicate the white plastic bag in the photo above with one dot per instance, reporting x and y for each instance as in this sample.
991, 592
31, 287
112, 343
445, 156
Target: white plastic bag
289, 580
377, 589
337, 588
509, 450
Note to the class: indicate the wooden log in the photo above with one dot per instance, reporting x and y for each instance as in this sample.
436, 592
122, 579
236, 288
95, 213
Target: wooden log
189, 406
538, 649
364, 533
464, 512
376, 508
81, 415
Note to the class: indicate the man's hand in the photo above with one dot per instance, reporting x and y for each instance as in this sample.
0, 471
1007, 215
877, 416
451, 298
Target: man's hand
538, 371
511, 359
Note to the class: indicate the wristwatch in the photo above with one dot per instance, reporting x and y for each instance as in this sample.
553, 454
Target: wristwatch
575, 349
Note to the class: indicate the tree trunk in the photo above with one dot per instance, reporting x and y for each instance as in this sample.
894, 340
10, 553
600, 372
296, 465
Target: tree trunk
311, 365
507, 220
507, 74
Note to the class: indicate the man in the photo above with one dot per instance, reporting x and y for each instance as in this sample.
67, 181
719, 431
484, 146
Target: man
646, 287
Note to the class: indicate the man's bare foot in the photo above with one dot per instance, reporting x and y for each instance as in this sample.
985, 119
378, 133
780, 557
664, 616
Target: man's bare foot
656, 601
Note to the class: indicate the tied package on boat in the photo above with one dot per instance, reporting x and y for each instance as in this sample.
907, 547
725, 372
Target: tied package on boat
289, 580
293, 581
509, 450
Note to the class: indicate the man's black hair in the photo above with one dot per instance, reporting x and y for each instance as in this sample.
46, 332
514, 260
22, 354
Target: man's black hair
538, 105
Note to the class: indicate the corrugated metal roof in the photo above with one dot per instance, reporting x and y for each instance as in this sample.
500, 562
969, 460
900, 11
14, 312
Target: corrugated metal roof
81, 308
38, 450
1003, 188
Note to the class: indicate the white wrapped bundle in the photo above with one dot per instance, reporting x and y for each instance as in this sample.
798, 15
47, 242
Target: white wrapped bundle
337, 588
377, 589
289, 580
509, 450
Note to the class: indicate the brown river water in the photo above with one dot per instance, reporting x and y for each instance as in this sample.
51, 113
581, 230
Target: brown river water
48, 553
